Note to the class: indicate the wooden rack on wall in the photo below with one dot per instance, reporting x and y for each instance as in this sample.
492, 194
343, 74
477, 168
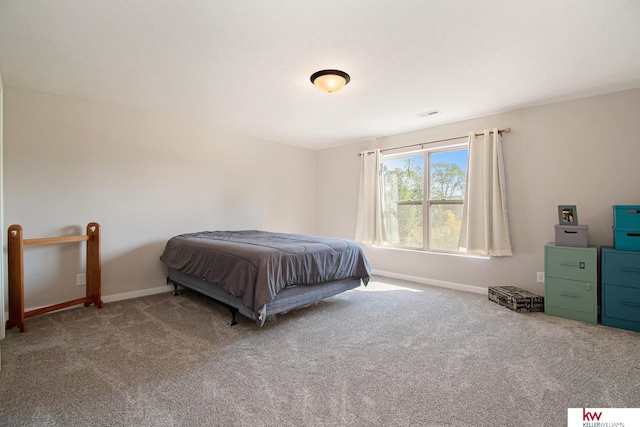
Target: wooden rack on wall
16, 244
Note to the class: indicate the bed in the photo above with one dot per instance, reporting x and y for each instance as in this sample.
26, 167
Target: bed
259, 273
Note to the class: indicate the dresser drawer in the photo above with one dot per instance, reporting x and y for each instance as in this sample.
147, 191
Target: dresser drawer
571, 295
622, 303
621, 268
571, 263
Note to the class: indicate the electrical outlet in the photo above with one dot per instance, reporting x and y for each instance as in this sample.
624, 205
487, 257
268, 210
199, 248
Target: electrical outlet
81, 279
540, 275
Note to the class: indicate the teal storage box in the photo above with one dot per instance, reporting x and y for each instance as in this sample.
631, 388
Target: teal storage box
626, 217
626, 227
626, 240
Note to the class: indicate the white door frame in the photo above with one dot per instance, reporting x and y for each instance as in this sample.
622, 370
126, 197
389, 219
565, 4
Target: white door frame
3, 285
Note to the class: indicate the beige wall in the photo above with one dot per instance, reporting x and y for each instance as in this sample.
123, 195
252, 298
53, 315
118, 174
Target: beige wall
584, 152
144, 178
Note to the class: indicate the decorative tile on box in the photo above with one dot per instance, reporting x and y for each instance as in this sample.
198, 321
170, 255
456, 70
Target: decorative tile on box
516, 299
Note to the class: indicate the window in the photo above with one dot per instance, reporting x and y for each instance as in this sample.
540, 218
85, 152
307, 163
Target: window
425, 220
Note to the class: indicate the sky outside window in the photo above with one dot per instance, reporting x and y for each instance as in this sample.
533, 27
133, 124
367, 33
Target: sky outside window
458, 157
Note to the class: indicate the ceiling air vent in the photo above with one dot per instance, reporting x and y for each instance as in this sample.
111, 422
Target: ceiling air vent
428, 113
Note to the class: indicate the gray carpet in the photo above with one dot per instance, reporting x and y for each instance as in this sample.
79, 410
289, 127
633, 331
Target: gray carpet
393, 354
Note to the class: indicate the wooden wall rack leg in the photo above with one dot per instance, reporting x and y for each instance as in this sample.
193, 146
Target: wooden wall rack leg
16, 244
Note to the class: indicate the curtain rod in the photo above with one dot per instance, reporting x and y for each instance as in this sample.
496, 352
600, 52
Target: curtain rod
505, 130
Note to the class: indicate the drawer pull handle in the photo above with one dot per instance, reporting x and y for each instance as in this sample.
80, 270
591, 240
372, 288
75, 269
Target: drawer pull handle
633, 211
632, 304
570, 232
630, 270
580, 265
569, 294
633, 234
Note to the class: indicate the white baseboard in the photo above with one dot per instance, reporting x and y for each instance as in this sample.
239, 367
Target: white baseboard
117, 297
432, 282
137, 294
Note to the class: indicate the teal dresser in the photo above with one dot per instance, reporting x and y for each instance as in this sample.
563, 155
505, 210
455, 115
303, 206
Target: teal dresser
571, 282
621, 289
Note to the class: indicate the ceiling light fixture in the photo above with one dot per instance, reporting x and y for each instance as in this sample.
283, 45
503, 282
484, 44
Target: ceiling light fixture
330, 80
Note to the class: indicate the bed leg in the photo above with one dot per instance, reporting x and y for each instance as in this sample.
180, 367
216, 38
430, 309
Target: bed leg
175, 287
233, 316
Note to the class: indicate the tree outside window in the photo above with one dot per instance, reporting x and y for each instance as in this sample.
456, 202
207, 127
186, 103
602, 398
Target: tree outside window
410, 218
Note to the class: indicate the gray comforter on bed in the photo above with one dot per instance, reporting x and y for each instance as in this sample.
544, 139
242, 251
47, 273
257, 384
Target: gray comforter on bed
255, 265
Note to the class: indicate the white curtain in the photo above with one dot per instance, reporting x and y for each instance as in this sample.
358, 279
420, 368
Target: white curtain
370, 223
485, 225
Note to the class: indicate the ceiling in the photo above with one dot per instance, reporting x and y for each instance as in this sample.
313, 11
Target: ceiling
243, 65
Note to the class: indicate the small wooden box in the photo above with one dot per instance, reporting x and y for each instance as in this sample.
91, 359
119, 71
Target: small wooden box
516, 299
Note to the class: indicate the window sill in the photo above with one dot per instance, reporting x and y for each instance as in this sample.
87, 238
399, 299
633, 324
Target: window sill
423, 251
